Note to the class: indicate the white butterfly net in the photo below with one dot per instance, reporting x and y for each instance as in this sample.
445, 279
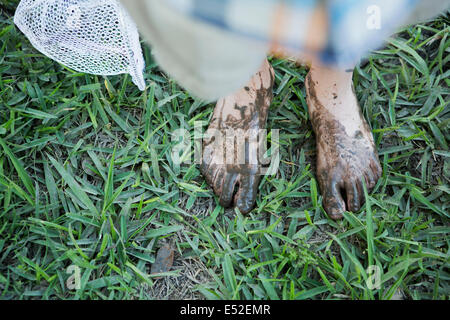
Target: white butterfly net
92, 36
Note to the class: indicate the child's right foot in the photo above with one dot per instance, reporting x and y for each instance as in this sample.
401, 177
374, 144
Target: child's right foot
239, 116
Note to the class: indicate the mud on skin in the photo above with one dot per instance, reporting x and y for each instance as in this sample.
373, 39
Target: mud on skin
342, 160
244, 113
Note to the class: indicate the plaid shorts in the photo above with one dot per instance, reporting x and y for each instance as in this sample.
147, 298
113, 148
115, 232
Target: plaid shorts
213, 47
354, 26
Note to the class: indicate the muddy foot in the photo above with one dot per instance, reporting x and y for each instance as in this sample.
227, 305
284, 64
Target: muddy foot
346, 152
230, 162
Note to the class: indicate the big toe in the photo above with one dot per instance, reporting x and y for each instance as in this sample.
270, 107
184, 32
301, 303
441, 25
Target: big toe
333, 202
208, 171
226, 190
245, 198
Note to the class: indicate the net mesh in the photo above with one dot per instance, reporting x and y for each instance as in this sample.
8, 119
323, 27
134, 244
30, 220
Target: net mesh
92, 36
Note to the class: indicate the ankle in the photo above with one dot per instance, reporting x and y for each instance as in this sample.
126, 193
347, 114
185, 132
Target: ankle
330, 96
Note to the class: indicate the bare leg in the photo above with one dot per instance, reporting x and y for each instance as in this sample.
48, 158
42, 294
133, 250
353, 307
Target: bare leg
346, 151
235, 179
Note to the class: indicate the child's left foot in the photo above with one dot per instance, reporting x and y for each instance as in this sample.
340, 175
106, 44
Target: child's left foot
346, 152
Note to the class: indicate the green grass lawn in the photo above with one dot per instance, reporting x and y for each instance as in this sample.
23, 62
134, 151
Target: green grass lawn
87, 183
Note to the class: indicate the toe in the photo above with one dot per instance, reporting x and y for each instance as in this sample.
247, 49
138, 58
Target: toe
246, 196
207, 167
370, 179
354, 196
208, 171
213, 175
217, 183
374, 173
333, 202
227, 189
